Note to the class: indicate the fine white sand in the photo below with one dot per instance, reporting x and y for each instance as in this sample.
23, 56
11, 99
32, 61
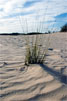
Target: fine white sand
36, 82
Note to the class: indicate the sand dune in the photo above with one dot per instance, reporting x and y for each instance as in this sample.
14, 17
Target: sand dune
36, 82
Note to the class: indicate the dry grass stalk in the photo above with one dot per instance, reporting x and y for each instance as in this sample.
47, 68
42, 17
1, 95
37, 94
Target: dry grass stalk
34, 53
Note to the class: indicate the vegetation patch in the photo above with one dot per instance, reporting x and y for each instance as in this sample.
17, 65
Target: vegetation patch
35, 52
64, 28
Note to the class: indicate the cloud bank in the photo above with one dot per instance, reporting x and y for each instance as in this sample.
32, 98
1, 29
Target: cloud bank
32, 15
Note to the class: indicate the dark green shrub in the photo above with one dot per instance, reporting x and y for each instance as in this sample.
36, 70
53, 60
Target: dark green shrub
64, 28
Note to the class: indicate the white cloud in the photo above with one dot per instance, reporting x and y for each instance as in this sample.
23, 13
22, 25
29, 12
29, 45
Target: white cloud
44, 10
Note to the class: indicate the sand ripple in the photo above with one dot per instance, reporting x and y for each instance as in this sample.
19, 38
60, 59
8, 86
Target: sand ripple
23, 86
33, 83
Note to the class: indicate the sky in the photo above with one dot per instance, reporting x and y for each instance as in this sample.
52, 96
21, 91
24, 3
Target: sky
25, 16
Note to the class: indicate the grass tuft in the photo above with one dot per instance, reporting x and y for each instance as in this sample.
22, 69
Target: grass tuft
35, 54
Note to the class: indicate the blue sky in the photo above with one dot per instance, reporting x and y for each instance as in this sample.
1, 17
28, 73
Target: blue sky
32, 15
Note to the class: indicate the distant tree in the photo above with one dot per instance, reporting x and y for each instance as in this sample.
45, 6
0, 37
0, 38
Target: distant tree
64, 28
15, 33
49, 32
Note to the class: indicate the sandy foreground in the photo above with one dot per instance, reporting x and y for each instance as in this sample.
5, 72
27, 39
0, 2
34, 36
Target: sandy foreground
36, 82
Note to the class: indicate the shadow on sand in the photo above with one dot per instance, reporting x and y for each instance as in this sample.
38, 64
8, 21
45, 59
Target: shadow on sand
58, 75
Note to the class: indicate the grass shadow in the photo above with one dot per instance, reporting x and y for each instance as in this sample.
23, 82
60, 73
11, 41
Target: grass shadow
56, 74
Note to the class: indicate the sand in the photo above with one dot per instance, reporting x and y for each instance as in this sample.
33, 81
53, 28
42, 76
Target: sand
36, 82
